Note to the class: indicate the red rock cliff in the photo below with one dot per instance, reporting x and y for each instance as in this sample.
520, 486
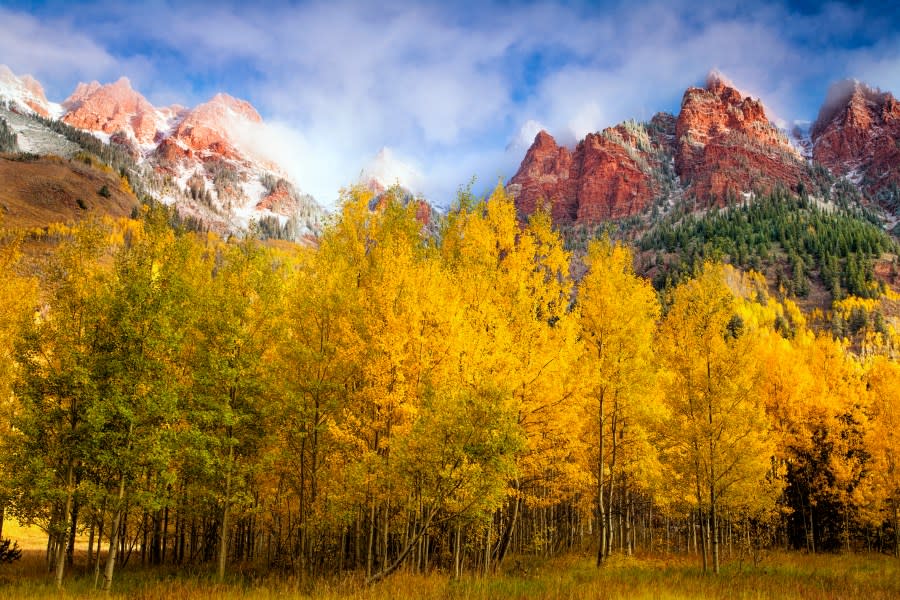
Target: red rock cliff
722, 143
208, 128
609, 175
111, 108
857, 133
726, 145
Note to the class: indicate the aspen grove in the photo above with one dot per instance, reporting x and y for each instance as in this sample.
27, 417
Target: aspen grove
403, 397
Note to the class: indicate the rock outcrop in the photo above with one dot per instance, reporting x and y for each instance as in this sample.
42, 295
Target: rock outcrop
213, 155
174, 134
726, 145
209, 128
857, 134
609, 175
722, 144
24, 93
113, 108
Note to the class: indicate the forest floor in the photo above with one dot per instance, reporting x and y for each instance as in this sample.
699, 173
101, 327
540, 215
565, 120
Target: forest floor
779, 575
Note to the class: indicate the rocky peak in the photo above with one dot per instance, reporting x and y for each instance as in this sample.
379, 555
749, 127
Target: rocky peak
82, 91
722, 144
857, 134
609, 175
718, 109
24, 92
725, 144
849, 100
112, 107
211, 128
221, 111
543, 179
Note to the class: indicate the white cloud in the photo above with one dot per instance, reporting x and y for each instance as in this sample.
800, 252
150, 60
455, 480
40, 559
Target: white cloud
458, 90
387, 169
525, 137
49, 49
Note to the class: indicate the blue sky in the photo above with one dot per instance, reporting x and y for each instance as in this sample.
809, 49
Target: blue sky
455, 89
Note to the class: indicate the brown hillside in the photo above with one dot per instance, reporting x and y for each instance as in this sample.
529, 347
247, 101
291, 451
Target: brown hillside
35, 193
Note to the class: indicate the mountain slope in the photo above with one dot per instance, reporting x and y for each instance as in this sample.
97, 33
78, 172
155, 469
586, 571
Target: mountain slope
720, 146
200, 160
609, 175
857, 135
41, 190
725, 145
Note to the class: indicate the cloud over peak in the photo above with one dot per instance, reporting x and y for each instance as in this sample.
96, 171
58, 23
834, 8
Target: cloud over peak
457, 88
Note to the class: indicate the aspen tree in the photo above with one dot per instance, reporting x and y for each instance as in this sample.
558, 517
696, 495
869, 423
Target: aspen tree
618, 312
717, 427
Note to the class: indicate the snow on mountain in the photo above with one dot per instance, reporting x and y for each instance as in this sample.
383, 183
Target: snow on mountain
800, 138
209, 170
26, 95
33, 137
857, 135
386, 170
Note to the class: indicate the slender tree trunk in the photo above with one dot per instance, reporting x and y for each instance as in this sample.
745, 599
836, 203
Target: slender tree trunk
896, 506
847, 529
73, 529
702, 530
601, 548
371, 545
165, 530
629, 529
608, 529
301, 507
61, 547
2, 515
48, 556
805, 525
226, 517
90, 552
357, 540
487, 549
456, 548
385, 519
99, 543
667, 533
390, 568
114, 535
507, 533
144, 531
812, 529
714, 530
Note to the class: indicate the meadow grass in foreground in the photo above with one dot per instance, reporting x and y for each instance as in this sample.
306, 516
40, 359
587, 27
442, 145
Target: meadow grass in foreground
782, 575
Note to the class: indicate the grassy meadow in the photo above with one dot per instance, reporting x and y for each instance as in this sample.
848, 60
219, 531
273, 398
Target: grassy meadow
779, 575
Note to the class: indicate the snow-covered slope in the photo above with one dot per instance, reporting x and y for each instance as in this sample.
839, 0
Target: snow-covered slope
25, 95
34, 137
199, 157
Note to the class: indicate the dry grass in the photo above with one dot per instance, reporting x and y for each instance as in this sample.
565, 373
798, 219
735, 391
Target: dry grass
794, 575
34, 193
32, 537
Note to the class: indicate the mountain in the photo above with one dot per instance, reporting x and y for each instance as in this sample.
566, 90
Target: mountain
389, 178
720, 145
857, 135
202, 160
386, 170
36, 191
726, 145
111, 109
609, 175
25, 94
